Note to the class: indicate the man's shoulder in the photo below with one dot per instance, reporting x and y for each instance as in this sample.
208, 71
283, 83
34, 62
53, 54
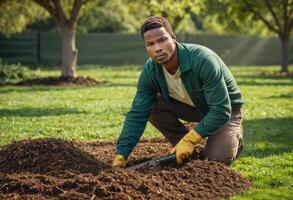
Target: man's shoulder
200, 56
197, 50
149, 65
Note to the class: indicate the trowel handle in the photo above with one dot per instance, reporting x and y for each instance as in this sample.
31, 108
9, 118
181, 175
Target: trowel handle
168, 158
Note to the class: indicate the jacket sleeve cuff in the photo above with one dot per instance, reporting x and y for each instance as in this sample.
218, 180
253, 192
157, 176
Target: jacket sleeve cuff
200, 130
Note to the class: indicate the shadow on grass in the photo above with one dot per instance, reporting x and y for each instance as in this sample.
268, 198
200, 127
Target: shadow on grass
265, 77
25, 89
253, 82
37, 88
38, 112
269, 136
282, 96
260, 80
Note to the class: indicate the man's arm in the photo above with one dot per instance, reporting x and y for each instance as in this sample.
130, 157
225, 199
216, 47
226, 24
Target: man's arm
216, 95
138, 116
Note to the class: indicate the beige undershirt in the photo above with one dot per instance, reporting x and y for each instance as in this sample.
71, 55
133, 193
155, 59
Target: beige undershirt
176, 87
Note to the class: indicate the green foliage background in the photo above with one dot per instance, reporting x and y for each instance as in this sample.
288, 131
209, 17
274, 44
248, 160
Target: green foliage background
126, 16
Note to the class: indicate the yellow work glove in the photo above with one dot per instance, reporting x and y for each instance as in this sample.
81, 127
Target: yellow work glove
186, 145
119, 161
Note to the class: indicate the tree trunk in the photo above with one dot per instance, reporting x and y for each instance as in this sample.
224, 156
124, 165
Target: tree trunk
285, 48
69, 52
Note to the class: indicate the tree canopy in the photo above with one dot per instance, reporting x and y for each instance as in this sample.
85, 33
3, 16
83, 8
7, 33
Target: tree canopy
17, 14
274, 16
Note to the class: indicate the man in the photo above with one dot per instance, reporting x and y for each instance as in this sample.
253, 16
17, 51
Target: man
188, 82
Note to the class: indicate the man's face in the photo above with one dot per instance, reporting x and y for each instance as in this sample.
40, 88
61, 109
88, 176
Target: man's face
159, 44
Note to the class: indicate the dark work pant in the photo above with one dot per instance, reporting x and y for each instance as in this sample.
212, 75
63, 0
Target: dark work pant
225, 145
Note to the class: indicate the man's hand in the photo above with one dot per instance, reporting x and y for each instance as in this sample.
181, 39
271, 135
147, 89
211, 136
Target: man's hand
186, 145
119, 161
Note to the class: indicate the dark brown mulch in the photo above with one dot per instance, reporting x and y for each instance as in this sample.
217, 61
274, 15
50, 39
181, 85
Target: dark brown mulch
57, 169
58, 81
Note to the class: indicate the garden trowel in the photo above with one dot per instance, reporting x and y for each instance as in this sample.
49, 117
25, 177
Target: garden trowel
171, 158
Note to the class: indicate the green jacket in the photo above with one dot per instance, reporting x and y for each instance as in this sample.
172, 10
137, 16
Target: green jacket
208, 82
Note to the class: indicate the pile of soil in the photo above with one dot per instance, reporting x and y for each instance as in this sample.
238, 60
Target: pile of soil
56, 169
59, 81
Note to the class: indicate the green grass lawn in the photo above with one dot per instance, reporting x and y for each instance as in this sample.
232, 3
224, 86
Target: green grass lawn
97, 112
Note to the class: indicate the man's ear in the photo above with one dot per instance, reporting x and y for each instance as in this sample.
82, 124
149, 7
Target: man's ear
173, 36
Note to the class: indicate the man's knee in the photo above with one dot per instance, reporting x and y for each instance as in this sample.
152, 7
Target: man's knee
227, 156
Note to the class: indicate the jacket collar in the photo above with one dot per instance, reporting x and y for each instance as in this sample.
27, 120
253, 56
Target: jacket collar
183, 56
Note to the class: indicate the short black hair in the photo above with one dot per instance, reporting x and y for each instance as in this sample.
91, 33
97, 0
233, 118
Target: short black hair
155, 22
